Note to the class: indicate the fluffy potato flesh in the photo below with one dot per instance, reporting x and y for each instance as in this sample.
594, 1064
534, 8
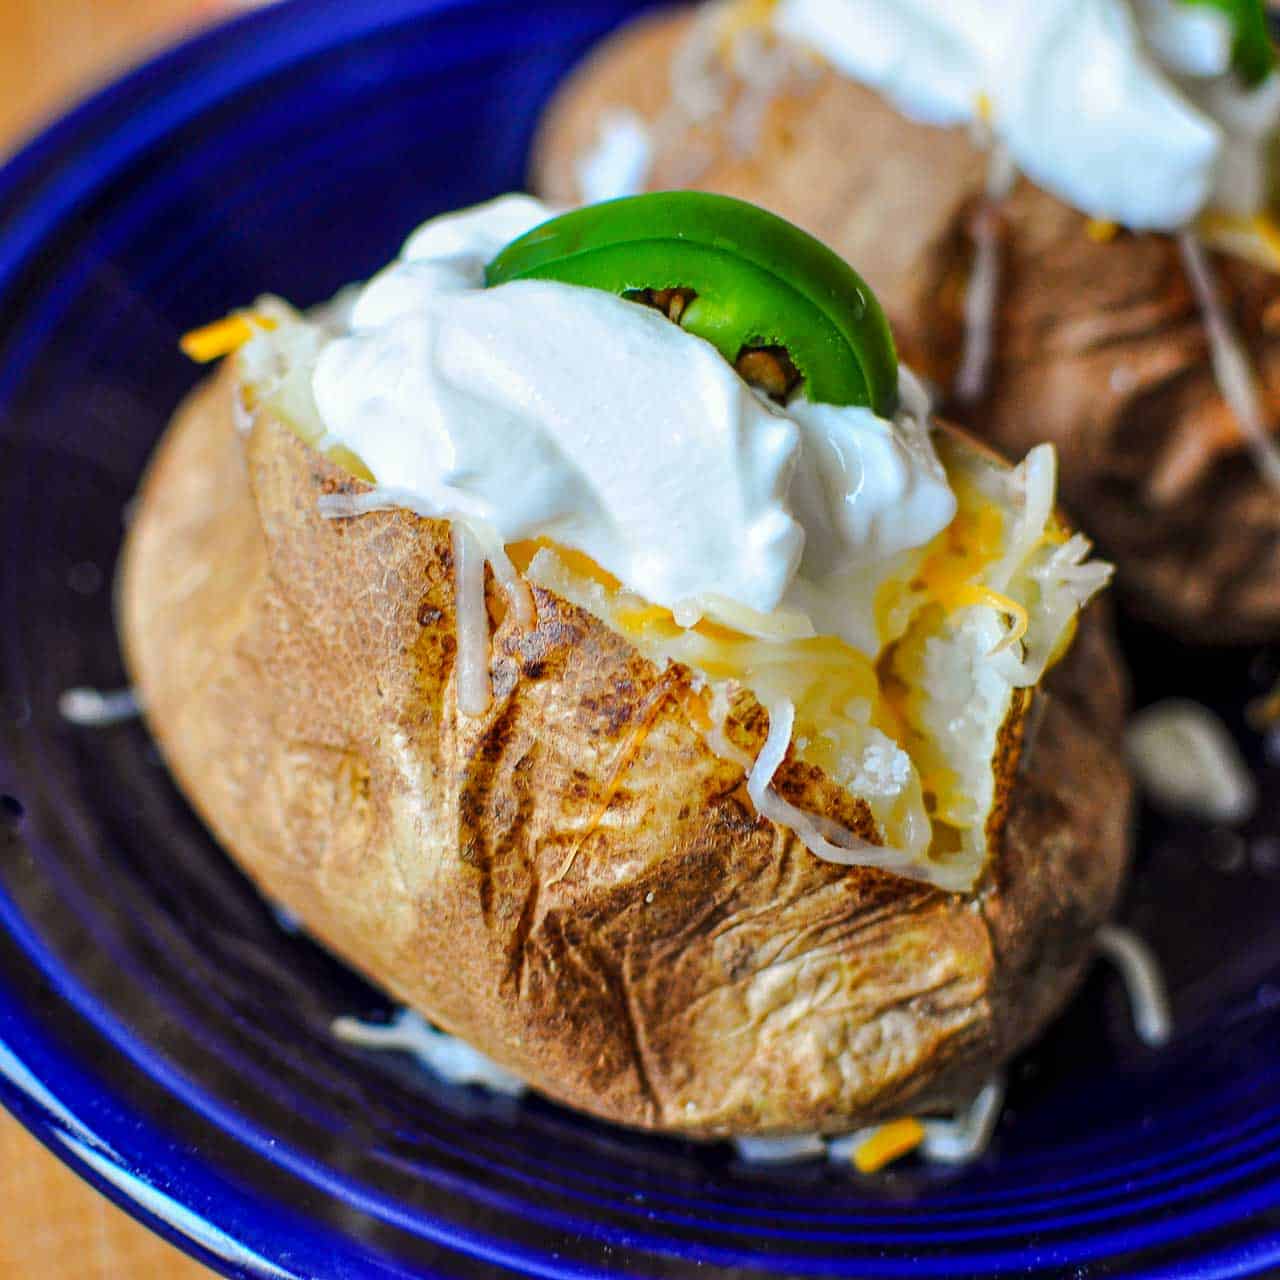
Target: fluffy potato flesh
574, 882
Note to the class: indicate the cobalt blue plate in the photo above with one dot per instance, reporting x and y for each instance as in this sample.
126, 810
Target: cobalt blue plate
160, 1031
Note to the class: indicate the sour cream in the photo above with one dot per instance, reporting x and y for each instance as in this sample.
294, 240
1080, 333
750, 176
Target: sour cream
1126, 109
540, 409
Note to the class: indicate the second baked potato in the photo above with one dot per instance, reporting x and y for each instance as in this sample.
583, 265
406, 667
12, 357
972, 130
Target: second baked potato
1099, 344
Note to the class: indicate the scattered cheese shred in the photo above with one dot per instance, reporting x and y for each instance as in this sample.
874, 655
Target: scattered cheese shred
474, 690
98, 709
1255, 237
1144, 981
982, 294
1017, 615
1101, 230
966, 1137
888, 1143
222, 337
1231, 362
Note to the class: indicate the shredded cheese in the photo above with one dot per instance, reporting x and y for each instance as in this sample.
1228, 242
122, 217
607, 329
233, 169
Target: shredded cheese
222, 337
887, 1143
474, 691
1255, 237
806, 1146
1101, 231
961, 595
94, 709
1230, 361
717, 739
823, 837
453, 1060
346, 506
982, 295
1187, 762
1143, 981
965, 1138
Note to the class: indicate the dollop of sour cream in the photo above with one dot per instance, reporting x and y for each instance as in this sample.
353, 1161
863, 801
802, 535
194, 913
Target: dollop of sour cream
540, 409
1127, 109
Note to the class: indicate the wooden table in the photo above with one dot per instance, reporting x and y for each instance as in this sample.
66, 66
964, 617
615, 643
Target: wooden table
53, 1226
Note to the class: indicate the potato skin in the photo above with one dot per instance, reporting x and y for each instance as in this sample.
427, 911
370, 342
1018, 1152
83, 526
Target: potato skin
1100, 347
691, 967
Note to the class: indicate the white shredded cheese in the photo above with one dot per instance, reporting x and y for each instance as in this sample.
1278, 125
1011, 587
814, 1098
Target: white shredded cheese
967, 1136
344, 506
474, 691
1187, 762
96, 709
1143, 980
982, 295
453, 1060
790, 1150
717, 739
823, 837
514, 587
1230, 361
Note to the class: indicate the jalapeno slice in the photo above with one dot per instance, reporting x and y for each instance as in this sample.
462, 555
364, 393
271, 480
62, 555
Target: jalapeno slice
757, 281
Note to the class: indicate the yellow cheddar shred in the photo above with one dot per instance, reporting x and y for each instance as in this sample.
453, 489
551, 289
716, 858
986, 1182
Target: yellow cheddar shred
746, 15
349, 461
222, 337
644, 617
888, 1143
983, 107
1256, 237
1101, 230
971, 593
964, 549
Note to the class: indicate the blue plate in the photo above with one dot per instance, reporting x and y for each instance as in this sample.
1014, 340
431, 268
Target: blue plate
160, 1031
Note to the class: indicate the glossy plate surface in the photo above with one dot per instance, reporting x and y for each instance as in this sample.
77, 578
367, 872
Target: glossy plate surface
160, 1030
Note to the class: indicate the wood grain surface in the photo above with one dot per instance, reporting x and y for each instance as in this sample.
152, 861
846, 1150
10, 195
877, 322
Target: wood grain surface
53, 1226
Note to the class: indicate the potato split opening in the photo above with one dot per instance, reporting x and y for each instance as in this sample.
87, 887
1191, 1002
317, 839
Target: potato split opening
925, 732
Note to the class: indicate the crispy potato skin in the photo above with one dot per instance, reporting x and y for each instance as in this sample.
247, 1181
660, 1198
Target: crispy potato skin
1100, 348
679, 965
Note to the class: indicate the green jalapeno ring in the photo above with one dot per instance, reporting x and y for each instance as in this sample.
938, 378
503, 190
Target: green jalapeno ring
758, 281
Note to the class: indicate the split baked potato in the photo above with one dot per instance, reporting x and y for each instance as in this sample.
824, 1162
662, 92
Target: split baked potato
1099, 344
573, 881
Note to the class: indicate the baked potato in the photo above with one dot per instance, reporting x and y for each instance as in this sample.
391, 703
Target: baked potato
1099, 345
577, 878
